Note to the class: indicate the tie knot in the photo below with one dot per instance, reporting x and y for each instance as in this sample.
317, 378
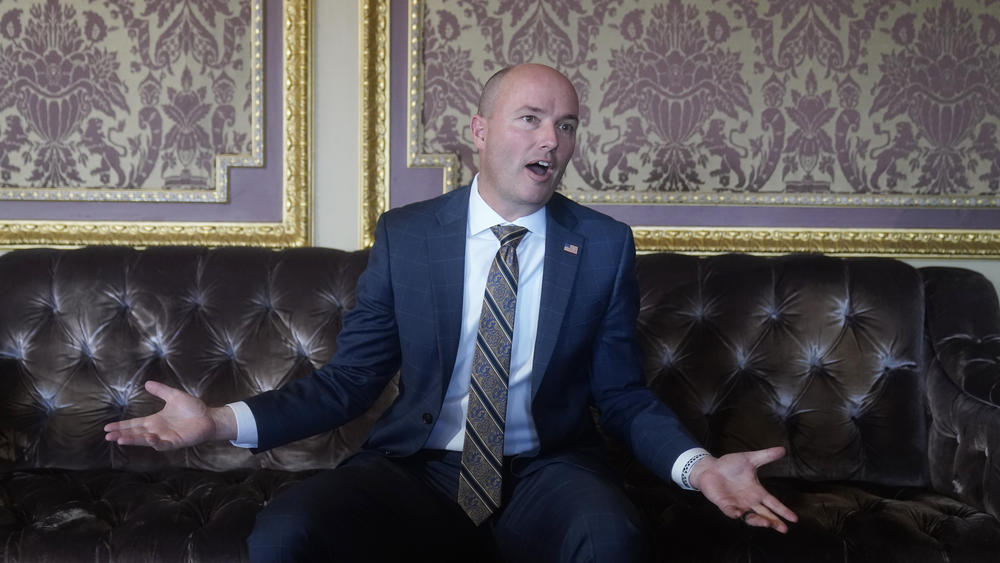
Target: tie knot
509, 235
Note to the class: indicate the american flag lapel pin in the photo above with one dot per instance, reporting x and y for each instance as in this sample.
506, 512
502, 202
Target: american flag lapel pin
571, 248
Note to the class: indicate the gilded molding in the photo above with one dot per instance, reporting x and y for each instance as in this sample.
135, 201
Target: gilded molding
297, 104
293, 229
448, 162
375, 77
897, 243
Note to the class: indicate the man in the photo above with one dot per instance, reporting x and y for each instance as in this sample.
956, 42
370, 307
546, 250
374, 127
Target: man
471, 310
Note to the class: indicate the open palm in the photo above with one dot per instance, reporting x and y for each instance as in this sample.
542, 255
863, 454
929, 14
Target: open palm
184, 421
730, 482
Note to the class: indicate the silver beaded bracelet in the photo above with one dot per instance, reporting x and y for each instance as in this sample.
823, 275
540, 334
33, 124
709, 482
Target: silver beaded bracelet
686, 472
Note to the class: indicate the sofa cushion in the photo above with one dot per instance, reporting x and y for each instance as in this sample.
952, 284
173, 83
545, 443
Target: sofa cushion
839, 522
111, 515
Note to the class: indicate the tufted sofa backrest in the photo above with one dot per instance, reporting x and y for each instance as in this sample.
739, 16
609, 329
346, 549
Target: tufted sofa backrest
821, 355
82, 330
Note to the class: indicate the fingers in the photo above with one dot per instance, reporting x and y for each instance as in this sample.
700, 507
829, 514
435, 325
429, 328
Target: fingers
780, 509
134, 438
761, 517
165, 392
125, 431
769, 513
128, 424
139, 435
763, 457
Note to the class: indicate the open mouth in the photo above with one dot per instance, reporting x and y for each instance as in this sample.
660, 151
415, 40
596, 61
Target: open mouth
539, 167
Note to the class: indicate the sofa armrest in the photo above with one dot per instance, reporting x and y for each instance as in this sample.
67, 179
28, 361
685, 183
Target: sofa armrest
963, 385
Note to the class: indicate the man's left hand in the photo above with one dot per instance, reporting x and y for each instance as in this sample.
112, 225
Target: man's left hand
731, 483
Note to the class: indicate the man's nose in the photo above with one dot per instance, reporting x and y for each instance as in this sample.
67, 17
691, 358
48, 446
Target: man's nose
548, 137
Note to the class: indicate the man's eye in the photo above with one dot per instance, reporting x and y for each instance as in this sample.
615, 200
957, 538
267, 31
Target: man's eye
568, 127
529, 119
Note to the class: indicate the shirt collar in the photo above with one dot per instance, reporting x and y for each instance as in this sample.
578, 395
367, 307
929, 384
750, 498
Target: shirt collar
482, 216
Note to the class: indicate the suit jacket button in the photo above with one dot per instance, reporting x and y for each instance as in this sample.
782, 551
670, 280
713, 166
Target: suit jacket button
428, 418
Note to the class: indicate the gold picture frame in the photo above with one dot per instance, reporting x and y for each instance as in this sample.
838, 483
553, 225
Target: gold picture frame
292, 204
378, 72
375, 77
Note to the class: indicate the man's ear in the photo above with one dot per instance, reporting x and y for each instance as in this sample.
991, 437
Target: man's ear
478, 127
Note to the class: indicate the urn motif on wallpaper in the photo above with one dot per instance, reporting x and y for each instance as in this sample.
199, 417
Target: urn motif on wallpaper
122, 94
832, 102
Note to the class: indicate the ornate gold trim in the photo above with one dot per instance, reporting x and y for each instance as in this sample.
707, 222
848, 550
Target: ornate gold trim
448, 162
841, 201
898, 243
297, 189
294, 228
375, 76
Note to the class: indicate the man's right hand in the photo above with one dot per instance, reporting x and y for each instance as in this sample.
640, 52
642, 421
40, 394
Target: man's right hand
184, 421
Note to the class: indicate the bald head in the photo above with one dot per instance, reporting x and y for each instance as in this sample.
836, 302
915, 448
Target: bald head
493, 87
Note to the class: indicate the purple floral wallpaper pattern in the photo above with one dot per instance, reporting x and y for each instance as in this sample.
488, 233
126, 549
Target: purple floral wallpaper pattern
816, 102
122, 94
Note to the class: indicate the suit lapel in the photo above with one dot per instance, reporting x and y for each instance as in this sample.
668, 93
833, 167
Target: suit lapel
562, 257
446, 254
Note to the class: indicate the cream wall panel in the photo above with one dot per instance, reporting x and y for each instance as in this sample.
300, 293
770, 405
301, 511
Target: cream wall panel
336, 132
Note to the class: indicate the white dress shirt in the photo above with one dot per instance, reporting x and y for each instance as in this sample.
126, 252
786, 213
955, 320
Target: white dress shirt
481, 246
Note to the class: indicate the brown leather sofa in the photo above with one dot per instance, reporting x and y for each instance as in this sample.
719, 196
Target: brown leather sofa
880, 380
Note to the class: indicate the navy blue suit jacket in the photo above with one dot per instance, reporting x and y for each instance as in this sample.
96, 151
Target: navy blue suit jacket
408, 317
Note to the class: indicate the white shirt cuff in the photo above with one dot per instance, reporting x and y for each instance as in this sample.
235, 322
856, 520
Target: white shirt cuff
246, 426
681, 470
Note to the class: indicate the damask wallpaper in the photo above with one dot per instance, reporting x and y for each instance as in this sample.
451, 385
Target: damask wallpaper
841, 103
126, 99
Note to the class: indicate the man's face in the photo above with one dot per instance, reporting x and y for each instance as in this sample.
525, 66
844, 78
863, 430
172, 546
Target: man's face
526, 140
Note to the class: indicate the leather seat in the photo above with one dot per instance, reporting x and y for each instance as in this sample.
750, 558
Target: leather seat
880, 380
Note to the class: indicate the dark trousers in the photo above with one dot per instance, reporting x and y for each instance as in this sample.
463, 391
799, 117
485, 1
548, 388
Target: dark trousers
374, 508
